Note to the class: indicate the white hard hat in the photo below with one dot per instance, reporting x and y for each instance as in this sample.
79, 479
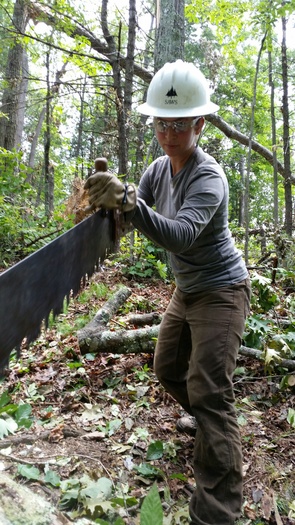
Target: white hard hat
178, 89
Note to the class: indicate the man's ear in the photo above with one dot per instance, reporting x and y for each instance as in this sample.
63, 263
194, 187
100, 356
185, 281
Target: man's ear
199, 125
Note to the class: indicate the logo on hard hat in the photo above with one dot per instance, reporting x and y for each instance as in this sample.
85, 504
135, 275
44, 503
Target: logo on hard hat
171, 93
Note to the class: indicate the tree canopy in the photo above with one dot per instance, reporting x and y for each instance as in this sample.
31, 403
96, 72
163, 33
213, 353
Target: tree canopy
72, 75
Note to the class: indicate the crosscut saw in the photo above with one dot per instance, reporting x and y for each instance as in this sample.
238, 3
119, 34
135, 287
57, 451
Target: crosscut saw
38, 285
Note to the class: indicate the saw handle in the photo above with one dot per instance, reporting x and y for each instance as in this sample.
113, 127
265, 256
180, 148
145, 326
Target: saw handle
101, 164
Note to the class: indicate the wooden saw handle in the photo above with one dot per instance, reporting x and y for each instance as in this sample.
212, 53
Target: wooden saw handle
101, 164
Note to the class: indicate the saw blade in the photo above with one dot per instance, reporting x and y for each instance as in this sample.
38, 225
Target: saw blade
38, 285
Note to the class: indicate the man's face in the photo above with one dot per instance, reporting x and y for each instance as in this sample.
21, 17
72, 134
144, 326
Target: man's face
177, 136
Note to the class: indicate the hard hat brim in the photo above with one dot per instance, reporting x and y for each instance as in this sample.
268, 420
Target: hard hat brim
170, 112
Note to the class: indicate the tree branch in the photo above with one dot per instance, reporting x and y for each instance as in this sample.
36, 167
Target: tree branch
146, 76
234, 134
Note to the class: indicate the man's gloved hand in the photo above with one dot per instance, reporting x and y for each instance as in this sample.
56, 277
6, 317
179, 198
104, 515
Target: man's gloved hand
107, 191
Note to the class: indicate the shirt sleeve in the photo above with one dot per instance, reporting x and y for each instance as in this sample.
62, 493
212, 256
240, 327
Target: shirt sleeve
203, 195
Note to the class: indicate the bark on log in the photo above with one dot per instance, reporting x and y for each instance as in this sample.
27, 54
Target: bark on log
252, 352
144, 339
92, 338
141, 340
19, 505
102, 317
143, 319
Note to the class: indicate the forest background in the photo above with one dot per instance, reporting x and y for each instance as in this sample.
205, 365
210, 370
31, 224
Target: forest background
72, 74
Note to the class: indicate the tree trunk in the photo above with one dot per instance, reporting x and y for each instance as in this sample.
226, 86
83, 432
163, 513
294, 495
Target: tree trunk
11, 124
143, 340
48, 170
286, 135
247, 179
169, 44
274, 142
54, 90
123, 107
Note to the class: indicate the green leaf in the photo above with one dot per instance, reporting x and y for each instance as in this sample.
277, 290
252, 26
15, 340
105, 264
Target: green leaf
69, 499
9, 409
271, 355
4, 399
22, 415
99, 490
151, 509
291, 417
180, 476
147, 470
242, 421
123, 502
28, 471
240, 371
52, 478
112, 426
155, 451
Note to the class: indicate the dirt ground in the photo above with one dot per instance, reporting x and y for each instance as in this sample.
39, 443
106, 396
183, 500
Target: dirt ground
100, 418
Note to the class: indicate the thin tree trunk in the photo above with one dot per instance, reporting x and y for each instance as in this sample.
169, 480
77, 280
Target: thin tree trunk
47, 171
247, 180
79, 147
11, 124
274, 143
242, 192
22, 100
35, 143
114, 58
169, 44
286, 135
54, 90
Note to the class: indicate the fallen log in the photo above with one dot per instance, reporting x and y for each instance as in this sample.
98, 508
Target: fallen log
143, 319
19, 505
143, 340
102, 317
94, 339
252, 352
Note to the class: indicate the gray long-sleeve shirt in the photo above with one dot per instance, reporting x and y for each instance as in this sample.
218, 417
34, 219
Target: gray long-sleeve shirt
190, 221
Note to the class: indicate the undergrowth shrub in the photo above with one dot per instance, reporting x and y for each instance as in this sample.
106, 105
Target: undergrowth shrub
24, 226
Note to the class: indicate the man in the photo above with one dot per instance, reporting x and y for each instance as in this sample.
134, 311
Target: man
201, 330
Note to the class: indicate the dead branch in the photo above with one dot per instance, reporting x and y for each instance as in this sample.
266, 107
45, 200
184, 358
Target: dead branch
257, 354
93, 337
19, 504
143, 341
30, 439
103, 316
143, 319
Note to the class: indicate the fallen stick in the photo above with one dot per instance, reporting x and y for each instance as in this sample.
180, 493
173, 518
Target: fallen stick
93, 337
143, 340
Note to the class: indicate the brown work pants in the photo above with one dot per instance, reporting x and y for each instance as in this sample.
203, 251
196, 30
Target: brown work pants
195, 358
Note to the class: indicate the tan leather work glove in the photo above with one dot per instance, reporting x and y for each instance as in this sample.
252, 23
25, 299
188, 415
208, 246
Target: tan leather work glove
107, 191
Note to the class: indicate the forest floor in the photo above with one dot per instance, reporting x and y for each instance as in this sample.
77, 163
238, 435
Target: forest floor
106, 416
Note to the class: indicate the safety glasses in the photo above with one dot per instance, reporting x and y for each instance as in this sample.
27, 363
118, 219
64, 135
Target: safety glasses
179, 126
